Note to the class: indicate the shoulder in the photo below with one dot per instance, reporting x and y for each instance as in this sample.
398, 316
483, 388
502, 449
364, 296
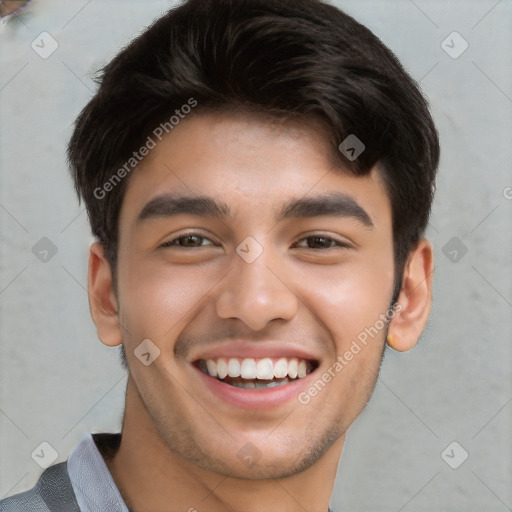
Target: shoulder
31, 501
52, 492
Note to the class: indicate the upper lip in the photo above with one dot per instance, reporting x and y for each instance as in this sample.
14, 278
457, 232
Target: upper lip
255, 349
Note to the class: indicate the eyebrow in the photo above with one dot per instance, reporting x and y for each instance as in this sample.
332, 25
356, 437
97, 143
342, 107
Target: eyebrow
337, 204
168, 205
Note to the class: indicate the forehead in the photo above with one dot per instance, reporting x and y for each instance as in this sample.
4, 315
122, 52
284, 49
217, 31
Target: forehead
248, 161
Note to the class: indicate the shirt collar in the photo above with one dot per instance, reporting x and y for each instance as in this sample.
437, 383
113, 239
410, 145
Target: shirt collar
91, 479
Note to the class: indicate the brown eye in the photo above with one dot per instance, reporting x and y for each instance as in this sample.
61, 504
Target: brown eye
188, 241
320, 242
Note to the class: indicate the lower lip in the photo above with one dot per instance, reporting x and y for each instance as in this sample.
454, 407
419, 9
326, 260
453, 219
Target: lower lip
254, 398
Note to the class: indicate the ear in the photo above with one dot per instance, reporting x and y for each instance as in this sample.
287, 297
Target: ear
415, 299
102, 299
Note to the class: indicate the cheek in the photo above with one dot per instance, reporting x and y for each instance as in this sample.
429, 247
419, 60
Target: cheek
351, 299
156, 298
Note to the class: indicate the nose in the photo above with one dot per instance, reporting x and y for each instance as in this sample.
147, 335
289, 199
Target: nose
256, 293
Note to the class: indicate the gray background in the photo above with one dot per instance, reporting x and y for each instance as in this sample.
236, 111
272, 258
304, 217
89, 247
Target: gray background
58, 382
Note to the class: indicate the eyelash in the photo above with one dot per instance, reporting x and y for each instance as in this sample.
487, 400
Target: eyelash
171, 243
337, 243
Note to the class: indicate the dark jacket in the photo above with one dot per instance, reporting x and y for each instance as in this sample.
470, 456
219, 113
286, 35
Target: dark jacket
52, 493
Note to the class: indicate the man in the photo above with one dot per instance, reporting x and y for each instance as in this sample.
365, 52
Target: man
259, 175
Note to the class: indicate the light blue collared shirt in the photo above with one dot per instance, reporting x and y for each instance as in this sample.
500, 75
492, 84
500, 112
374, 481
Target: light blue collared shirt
92, 482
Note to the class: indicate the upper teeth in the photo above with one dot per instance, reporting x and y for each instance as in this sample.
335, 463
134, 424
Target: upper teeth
265, 369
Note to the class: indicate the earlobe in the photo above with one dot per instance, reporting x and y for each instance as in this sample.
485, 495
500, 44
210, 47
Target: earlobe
102, 299
415, 299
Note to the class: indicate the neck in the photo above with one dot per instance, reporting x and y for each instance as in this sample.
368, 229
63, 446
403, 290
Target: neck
150, 476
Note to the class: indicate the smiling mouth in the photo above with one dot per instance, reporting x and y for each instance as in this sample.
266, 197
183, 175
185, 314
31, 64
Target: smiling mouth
250, 373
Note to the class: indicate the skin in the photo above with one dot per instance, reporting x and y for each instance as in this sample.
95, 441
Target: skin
179, 442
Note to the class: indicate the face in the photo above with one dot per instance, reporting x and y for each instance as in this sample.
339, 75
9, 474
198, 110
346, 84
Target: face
254, 265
